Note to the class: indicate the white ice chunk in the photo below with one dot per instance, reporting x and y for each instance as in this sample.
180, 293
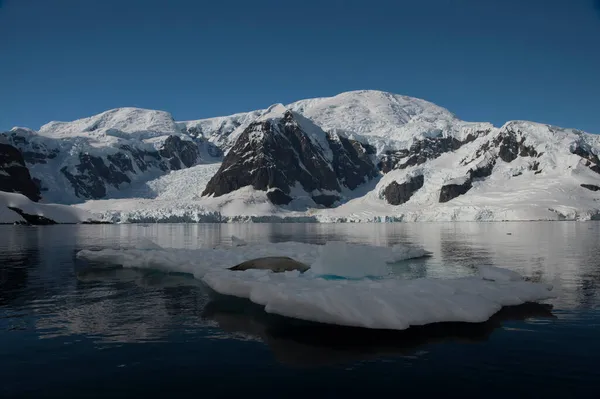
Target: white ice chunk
380, 304
493, 273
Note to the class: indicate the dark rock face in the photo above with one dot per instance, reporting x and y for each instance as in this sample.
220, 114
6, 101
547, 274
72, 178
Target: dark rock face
33, 219
179, 152
591, 187
422, 151
97, 171
33, 152
586, 153
511, 144
453, 190
92, 174
397, 194
390, 159
144, 159
278, 197
482, 169
14, 175
351, 161
275, 153
429, 148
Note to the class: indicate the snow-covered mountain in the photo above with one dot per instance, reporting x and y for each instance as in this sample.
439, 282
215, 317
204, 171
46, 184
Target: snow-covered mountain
97, 157
358, 156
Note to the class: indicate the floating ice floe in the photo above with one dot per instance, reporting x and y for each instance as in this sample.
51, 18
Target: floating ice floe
353, 260
355, 299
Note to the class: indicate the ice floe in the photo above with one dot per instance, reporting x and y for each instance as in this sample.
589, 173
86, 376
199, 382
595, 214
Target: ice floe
364, 294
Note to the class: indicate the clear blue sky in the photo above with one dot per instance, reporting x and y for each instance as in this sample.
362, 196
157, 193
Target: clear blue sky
485, 60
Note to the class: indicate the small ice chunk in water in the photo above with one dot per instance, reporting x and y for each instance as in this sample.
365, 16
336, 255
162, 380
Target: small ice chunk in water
355, 261
237, 242
493, 273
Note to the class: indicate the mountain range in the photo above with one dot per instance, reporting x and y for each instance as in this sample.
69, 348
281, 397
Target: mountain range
359, 156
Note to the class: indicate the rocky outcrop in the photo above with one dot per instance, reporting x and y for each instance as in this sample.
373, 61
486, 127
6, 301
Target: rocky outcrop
482, 169
593, 162
397, 194
591, 187
35, 220
462, 185
34, 151
454, 189
92, 176
424, 150
419, 152
179, 153
276, 155
351, 160
14, 175
511, 144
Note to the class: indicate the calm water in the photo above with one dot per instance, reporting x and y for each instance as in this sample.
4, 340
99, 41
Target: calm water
66, 331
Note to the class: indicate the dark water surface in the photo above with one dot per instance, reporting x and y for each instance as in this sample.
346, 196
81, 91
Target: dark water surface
68, 332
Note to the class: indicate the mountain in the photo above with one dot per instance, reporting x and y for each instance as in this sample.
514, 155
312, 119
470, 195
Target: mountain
290, 157
358, 156
14, 175
97, 157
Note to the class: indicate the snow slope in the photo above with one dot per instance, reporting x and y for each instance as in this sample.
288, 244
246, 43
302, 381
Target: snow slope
55, 212
126, 123
514, 191
221, 131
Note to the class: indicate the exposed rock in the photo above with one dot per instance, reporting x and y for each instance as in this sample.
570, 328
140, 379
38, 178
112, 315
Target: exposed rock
179, 152
511, 144
586, 153
390, 159
424, 150
275, 154
351, 161
429, 148
34, 152
325, 200
278, 197
591, 187
14, 175
455, 189
145, 159
33, 219
92, 174
482, 169
534, 165
397, 194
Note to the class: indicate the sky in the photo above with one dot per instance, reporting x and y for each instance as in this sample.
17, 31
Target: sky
484, 60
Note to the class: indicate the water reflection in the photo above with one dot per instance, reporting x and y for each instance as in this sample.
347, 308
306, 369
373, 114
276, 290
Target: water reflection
40, 283
123, 305
300, 343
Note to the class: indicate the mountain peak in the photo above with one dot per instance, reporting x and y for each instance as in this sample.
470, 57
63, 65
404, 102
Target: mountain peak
376, 113
126, 120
